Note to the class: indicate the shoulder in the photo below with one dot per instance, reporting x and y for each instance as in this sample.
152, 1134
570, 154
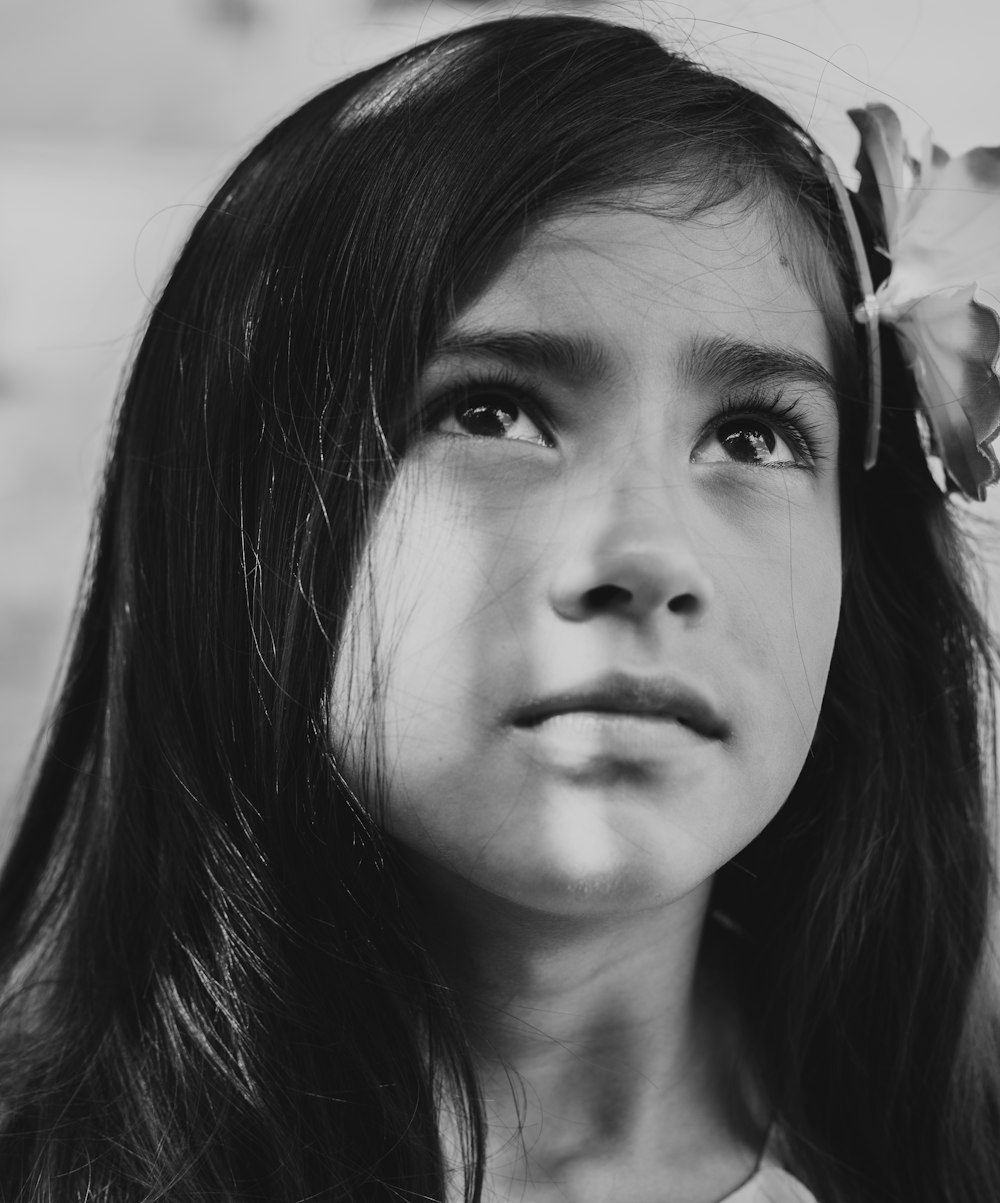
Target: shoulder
771, 1185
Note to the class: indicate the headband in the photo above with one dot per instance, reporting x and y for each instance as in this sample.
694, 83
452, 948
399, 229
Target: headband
937, 222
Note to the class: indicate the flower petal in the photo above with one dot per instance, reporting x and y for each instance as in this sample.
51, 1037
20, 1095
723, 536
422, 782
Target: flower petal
952, 343
949, 228
880, 161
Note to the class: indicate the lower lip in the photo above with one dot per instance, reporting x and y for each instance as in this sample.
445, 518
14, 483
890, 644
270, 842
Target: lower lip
579, 736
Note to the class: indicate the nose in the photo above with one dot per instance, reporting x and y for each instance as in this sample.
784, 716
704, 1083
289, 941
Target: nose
631, 555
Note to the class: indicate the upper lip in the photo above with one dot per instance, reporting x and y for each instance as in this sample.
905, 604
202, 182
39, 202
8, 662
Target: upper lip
624, 693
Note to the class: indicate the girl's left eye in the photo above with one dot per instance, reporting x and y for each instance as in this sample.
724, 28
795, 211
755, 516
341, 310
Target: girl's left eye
748, 439
488, 414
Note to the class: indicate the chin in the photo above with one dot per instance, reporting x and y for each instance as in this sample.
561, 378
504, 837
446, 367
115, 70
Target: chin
613, 885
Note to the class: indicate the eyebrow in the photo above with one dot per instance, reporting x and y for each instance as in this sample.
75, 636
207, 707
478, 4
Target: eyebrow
715, 359
733, 361
571, 356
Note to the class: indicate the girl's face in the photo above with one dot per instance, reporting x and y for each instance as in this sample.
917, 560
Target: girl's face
587, 651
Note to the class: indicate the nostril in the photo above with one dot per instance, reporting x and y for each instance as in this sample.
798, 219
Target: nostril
607, 597
616, 597
684, 604
631, 578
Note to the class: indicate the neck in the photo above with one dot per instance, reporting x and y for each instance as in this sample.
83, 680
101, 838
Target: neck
602, 1042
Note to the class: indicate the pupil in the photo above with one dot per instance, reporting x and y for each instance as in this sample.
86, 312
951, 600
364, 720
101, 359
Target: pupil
746, 441
489, 421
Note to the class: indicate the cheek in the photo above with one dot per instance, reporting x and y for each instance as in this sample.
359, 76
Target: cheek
397, 574
431, 589
791, 611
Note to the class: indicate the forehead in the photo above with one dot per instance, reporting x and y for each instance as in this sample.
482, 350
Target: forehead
626, 276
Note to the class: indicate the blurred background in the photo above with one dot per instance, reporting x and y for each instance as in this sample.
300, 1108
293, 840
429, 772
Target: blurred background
118, 118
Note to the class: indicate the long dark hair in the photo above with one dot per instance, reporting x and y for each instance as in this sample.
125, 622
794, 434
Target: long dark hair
214, 983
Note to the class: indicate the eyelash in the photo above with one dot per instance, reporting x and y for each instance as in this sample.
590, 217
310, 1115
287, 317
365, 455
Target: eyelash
493, 379
782, 413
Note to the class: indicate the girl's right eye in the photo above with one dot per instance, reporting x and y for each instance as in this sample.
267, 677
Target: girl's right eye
486, 413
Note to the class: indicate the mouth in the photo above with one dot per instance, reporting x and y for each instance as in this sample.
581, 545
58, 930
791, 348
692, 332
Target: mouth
666, 699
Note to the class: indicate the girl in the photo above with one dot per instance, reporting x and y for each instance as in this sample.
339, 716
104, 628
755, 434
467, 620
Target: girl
511, 747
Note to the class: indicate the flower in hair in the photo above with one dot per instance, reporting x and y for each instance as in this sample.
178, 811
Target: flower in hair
938, 222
